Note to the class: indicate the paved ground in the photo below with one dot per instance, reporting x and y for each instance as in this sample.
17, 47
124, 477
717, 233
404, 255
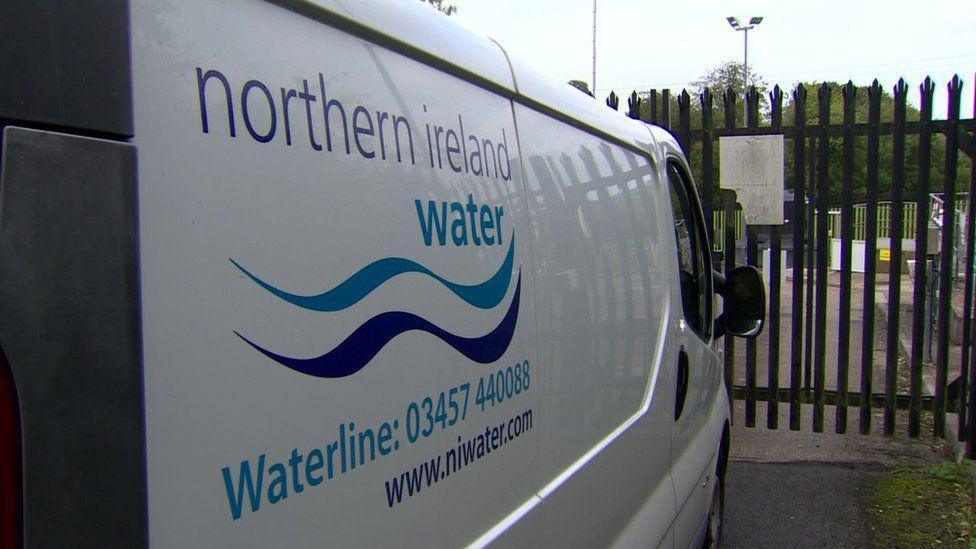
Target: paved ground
804, 489
833, 349
852, 348
797, 505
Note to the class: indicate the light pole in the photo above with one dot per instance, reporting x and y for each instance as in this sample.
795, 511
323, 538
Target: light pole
594, 49
753, 23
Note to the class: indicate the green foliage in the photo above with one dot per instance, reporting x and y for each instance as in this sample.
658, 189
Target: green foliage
860, 149
439, 5
729, 75
718, 80
923, 507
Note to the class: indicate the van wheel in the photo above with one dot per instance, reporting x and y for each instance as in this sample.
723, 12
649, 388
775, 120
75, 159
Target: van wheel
716, 516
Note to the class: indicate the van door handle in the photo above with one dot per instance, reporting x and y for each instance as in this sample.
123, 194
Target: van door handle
681, 391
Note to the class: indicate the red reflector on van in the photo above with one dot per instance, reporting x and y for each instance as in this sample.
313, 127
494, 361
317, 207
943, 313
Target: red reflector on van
11, 472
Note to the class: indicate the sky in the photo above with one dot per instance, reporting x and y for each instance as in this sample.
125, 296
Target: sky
647, 44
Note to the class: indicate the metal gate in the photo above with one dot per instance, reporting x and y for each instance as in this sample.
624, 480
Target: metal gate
911, 243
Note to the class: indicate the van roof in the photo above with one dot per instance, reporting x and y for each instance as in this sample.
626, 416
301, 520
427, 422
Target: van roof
416, 30
539, 92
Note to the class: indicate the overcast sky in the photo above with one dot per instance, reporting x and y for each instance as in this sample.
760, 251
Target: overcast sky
648, 44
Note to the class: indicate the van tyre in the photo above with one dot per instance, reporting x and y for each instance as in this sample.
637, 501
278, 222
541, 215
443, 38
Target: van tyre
716, 516
716, 510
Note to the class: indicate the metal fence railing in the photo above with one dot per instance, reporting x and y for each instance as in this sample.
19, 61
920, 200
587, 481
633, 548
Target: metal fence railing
821, 160
909, 221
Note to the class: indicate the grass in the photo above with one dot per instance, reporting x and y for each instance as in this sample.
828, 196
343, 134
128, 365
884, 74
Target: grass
928, 506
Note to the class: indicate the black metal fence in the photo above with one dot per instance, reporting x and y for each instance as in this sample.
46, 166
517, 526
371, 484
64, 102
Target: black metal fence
907, 138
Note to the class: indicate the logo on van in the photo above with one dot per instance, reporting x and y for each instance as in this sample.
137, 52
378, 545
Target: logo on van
366, 341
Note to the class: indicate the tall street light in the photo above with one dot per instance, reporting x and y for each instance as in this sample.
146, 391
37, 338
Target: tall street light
737, 26
594, 49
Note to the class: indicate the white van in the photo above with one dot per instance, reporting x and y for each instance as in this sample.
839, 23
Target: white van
322, 273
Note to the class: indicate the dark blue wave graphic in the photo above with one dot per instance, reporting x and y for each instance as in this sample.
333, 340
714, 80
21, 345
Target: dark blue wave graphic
484, 296
367, 340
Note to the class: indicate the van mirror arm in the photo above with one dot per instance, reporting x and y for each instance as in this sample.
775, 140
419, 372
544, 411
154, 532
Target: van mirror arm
718, 282
720, 328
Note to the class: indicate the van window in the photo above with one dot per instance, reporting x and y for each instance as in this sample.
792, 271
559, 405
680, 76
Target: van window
694, 271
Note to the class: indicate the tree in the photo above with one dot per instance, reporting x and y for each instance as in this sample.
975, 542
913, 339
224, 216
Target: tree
718, 80
581, 86
439, 5
730, 75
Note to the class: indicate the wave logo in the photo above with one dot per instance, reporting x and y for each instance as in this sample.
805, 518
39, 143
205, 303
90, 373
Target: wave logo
359, 348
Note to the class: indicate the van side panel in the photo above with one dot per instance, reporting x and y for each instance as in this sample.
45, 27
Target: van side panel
338, 297
604, 322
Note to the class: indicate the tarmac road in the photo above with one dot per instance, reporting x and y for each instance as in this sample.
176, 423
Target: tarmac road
804, 489
798, 504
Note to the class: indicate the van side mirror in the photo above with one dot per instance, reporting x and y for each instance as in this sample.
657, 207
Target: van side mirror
744, 297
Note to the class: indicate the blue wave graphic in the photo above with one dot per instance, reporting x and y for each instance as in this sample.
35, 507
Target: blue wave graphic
367, 340
484, 296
